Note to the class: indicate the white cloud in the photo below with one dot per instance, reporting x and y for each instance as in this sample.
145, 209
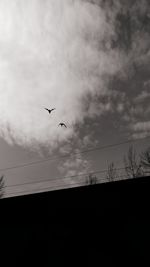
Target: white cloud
75, 167
50, 56
120, 107
140, 129
147, 83
89, 141
139, 135
142, 96
136, 110
141, 126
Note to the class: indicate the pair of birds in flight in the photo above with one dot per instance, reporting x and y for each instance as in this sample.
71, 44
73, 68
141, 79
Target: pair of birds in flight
61, 123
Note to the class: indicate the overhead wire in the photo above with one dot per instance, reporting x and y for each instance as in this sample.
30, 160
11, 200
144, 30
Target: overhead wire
102, 180
71, 154
62, 178
65, 178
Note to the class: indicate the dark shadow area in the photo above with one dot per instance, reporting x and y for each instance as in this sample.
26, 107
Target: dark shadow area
98, 225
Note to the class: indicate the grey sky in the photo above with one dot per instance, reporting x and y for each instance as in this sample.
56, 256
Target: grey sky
90, 61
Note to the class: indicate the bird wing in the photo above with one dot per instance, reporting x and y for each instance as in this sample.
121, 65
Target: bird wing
64, 125
53, 109
46, 109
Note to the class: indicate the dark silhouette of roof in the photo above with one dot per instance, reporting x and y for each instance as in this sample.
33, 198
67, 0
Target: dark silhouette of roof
96, 225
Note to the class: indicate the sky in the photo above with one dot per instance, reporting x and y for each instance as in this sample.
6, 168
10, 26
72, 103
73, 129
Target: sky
90, 61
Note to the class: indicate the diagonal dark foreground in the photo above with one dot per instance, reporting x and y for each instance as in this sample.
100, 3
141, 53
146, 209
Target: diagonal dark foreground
98, 225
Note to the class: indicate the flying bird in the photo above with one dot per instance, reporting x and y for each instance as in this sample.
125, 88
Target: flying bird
49, 110
62, 124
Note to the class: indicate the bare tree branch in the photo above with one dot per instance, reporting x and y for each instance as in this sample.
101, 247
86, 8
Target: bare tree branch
132, 165
91, 179
145, 161
111, 173
2, 186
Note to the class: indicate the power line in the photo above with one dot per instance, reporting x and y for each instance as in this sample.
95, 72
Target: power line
71, 154
62, 178
45, 188
65, 186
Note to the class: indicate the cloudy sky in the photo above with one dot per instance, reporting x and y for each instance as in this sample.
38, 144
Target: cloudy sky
89, 59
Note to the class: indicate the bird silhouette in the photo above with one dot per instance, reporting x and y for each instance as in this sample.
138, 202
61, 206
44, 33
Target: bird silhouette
49, 110
62, 124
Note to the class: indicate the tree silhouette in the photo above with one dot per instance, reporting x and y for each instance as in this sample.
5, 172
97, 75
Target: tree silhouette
133, 167
91, 179
111, 174
1, 186
145, 161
